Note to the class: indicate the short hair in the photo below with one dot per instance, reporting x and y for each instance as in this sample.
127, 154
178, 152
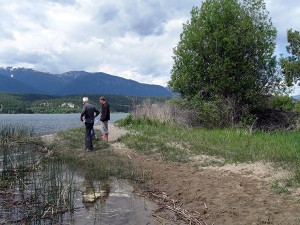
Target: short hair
102, 98
85, 99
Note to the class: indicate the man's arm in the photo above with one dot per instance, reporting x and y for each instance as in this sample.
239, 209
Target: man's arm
82, 113
97, 112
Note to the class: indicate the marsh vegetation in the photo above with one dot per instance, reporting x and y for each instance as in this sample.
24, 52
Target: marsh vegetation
43, 183
31, 192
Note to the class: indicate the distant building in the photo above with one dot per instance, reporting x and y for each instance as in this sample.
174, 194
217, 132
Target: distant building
68, 104
45, 104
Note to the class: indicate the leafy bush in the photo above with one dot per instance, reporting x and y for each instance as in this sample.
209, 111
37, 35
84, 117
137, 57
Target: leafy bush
282, 102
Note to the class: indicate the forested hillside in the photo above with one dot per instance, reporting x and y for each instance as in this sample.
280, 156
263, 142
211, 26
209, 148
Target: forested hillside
34, 103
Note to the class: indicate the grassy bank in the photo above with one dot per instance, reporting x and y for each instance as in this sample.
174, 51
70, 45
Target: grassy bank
99, 164
175, 143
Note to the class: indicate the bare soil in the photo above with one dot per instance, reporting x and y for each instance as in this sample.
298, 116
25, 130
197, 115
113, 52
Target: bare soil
229, 194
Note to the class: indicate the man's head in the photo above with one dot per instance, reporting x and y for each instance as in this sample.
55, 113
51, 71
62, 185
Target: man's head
85, 99
102, 99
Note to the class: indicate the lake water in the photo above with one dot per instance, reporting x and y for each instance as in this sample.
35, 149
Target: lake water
49, 123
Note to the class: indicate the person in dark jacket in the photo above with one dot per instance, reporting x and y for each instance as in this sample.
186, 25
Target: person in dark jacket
105, 117
88, 114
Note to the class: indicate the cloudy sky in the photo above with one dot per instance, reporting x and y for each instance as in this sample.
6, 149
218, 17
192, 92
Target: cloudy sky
133, 39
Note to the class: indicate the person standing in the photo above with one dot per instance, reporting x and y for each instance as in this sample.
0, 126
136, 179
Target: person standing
88, 112
105, 117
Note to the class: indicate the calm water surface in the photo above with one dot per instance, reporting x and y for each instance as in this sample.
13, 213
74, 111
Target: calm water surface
49, 123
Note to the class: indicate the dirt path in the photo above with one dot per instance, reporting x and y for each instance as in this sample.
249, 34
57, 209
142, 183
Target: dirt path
227, 195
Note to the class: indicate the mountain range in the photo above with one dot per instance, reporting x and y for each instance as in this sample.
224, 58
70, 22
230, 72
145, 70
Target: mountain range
296, 97
26, 80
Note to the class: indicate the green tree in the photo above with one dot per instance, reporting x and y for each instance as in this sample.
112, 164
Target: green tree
291, 64
226, 52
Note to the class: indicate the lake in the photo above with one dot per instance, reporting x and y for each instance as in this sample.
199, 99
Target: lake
50, 123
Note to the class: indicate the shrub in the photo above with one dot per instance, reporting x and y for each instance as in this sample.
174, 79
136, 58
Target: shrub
282, 103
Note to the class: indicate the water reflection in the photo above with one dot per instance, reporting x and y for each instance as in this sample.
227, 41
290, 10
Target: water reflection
93, 192
112, 202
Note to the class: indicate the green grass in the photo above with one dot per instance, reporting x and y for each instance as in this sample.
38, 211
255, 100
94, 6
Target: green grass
238, 146
233, 145
101, 163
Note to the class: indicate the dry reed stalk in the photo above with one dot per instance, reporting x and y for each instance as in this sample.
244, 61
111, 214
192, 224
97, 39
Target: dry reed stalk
165, 202
166, 112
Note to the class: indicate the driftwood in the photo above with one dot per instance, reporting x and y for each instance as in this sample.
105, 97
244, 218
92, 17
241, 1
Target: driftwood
165, 202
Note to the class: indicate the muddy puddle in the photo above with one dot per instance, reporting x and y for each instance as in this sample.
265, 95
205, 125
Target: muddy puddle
51, 193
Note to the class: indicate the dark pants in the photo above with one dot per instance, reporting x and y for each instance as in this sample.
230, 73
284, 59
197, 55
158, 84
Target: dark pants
93, 134
88, 136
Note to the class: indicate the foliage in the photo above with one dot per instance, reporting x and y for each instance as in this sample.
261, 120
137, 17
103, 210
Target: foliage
297, 107
213, 114
291, 64
282, 102
219, 112
279, 113
226, 52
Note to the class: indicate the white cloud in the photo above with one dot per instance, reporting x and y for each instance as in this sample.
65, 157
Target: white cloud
284, 14
133, 39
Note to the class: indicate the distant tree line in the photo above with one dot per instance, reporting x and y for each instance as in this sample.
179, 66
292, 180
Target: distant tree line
11, 103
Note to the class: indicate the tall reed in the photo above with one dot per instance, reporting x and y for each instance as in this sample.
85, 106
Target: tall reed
40, 195
14, 132
165, 112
